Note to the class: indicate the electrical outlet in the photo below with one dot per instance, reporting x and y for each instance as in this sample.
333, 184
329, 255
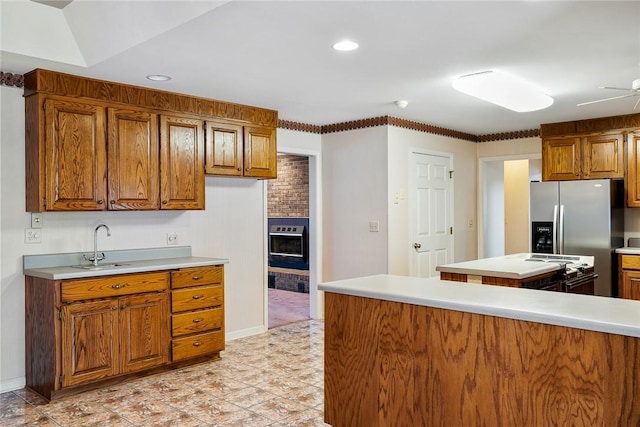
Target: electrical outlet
172, 238
32, 235
374, 226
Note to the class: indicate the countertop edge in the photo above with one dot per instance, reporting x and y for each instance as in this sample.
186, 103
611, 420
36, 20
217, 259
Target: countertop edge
601, 314
135, 266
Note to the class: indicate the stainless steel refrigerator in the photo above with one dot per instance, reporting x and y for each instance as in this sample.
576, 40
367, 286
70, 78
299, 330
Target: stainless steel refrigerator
580, 218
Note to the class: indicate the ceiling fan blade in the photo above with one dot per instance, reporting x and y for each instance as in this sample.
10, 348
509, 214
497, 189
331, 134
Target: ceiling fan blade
608, 99
617, 88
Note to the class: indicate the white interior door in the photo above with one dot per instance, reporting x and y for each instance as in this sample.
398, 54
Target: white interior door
430, 213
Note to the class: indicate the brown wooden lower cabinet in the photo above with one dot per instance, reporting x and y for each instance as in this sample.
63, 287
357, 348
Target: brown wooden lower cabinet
629, 276
83, 332
397, 364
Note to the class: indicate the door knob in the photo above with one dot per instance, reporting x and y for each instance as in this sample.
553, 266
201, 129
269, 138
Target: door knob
417, 246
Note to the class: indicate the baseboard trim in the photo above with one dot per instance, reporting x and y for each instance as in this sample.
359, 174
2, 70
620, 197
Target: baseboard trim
230, 336
14, 384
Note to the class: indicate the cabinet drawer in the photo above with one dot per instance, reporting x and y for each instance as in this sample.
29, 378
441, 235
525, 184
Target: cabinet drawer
197, 321
630, 262
197, 345
197, 276
196, 298
110, 286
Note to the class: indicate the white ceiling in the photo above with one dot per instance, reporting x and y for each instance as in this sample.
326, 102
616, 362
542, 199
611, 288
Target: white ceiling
278, 54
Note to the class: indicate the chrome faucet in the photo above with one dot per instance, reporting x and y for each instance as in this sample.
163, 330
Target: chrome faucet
97, 258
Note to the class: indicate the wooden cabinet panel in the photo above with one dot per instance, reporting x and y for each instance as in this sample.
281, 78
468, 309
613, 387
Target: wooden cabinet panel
113, 286
196, 298
224, 151
89, 341
144, 331
561, 159
260, 155
197, 276
630, 286
632, 181
197, 321
75, 153
603, 156
197, 345
181, 162
133, 162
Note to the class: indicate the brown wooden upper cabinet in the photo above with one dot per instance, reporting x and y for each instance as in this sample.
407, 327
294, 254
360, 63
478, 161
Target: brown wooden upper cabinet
96, 145
632, 181
583, 157
235, 150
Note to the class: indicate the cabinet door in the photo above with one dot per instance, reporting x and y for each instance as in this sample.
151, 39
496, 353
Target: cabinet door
89, 341
632, 182
224, 149
561, 159
133, 163
603, 156
260, 155
181, 162
75, 152
144, 331
630, 286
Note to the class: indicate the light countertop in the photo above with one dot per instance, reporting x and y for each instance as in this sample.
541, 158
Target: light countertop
628, 251
60, 266
602, 314
508, 266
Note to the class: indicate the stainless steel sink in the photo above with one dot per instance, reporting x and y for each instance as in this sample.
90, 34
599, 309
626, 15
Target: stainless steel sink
99, 266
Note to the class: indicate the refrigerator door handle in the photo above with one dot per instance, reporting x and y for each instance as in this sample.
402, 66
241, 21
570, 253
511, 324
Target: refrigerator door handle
555, 229
561, 231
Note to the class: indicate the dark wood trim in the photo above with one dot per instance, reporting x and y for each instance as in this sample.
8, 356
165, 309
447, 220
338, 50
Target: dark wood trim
51, 82
516, 134
601, 124
300, 127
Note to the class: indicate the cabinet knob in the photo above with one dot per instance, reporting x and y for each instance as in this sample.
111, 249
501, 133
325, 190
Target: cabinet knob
113, 202
101, 202
119, 285
115, 307
197, 277
197, 296
123, 306
197, 343
239, 169
198, 320
164, 202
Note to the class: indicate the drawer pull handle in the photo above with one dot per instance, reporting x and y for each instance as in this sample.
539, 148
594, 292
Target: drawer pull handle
198, 296
198, 320
197, 343
119, 285
197, 277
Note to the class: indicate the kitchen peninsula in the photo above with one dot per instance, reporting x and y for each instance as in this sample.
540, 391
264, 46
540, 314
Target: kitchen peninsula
409, 351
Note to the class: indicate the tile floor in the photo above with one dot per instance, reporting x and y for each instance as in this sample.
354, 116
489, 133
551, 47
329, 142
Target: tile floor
273, 379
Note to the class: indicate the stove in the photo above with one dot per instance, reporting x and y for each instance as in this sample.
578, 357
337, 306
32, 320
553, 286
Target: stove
576, 273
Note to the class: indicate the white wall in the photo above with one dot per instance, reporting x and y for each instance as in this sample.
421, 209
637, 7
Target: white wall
401, 142
516, 206
492, 199
354, 180
232, 226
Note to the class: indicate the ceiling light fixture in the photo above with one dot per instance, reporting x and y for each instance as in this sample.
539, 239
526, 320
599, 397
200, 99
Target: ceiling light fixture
402, 103
503, 90
345, 46
158, 77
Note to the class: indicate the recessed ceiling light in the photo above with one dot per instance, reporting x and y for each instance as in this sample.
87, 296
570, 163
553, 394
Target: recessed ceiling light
345, 45
158, 77
503, 90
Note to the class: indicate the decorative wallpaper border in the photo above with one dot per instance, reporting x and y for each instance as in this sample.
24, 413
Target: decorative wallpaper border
407, 124
9, 79
17, 80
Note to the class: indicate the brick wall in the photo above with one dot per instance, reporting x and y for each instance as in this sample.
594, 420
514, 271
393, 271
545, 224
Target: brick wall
288, 195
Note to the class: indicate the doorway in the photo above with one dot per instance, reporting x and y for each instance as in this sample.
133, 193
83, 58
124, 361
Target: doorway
288, 290
503, 208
